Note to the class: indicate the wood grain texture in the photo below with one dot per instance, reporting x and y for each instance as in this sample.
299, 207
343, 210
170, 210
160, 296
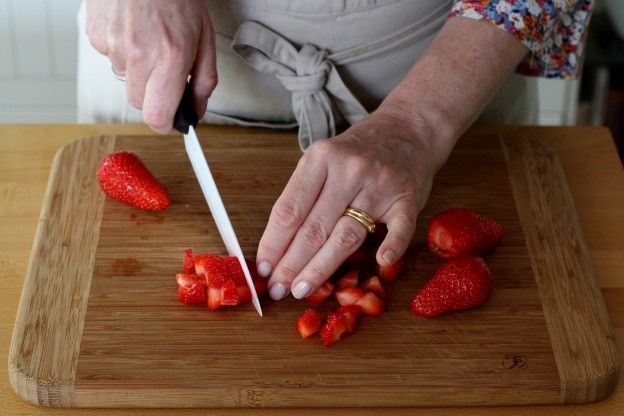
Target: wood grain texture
576, 316
48, 327
587, 154
140, 347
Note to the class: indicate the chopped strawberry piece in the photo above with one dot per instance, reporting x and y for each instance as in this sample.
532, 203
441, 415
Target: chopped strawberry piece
191, 288
457, 232
461, 283
389, 273
335, 329
371, 305
352, 314
322, 293
189, 263
229, 294
349, 295
214, 298
308, 323
199, 262
373, 284
350, 279
244, 294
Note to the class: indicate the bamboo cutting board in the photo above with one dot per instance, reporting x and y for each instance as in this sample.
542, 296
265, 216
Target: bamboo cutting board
99, 324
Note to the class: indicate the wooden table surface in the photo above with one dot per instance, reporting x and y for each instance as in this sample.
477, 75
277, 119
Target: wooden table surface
588, 156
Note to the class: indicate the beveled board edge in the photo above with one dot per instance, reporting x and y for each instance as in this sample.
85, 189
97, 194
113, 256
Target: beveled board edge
50, 317
578, 323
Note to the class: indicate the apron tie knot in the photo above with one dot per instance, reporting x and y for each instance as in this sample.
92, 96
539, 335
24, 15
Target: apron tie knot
320, 99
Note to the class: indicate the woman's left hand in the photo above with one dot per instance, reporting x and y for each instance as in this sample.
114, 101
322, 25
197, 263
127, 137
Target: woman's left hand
382, 166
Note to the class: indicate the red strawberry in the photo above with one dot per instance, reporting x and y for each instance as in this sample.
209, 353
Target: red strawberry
125, 178
352, 315
457, 232
214, 298
389, 273
350, 279
335, 329
229, 293
322, 293
308, 323
461, 283
373, 284
189, 263
199, 260
349, 295
191, 288
371, 305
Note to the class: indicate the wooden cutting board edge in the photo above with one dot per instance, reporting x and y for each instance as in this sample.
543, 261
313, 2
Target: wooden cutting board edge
44, 351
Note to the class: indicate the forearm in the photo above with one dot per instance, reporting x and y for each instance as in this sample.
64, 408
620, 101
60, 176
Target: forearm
446, 90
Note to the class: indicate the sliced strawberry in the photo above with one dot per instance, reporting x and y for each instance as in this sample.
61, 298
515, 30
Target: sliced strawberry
244, 294
349, 295
191, 288
373, 284
457, 232
350, 279
214, 298
199, 262
322, 293
189, 263
389, 273
463, 282
335, 329
124, 177
352, 314
308, 323
371, 305
229, 294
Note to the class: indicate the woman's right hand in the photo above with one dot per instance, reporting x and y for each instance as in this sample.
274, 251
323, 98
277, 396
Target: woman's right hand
156, 44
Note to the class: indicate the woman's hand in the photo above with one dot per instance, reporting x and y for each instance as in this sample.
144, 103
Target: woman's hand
381, 166
156, 44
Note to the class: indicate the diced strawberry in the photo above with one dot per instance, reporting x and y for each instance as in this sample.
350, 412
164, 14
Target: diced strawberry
199, 263
335, 328
191, 288
350, 279
189, 263
371, 305
373, 284
389, 273
308, 323
457, 232
322, 293
352, 314
356, 258
229, 294
349, 295
214, 298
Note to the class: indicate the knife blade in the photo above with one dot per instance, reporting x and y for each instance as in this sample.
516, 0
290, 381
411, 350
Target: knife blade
184, 121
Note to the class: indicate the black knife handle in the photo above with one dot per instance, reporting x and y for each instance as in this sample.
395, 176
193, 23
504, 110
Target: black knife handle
185, 115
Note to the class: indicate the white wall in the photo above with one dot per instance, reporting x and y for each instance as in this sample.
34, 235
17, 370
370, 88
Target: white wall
38, 52
38, 49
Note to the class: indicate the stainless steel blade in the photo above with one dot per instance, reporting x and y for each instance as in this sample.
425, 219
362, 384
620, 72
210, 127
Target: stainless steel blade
211, 193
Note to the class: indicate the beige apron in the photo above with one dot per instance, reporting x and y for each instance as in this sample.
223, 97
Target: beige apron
315, 64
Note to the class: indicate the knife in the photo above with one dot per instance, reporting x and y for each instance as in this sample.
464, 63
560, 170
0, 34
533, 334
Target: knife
185, 121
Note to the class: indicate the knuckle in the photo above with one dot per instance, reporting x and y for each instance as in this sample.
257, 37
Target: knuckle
406, 221
286, 272
357, 165
320, 148
135, 53
157, 119
349, 238
314, 234
315, 275
287, 213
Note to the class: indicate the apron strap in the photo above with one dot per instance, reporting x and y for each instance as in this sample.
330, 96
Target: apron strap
320, 98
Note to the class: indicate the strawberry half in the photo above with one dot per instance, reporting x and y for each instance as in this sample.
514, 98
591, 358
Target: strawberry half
335, 329
191, 288
352, 315
371, 305
308, 323
457, 232
389, 273
461, 283
373, 284
349, 279
349, 295
322, 293
189, 262
123, 177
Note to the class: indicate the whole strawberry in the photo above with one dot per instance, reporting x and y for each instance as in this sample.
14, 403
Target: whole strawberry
457, 231
125, 178
461, 283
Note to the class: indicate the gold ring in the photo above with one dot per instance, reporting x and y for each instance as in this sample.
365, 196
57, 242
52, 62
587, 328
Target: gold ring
361, 217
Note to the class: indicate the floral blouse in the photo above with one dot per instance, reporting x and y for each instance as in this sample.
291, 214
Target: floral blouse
553, 30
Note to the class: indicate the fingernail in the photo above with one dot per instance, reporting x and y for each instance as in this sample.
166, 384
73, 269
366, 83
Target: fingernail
264, 268
278, 291
301, 289
388, 256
